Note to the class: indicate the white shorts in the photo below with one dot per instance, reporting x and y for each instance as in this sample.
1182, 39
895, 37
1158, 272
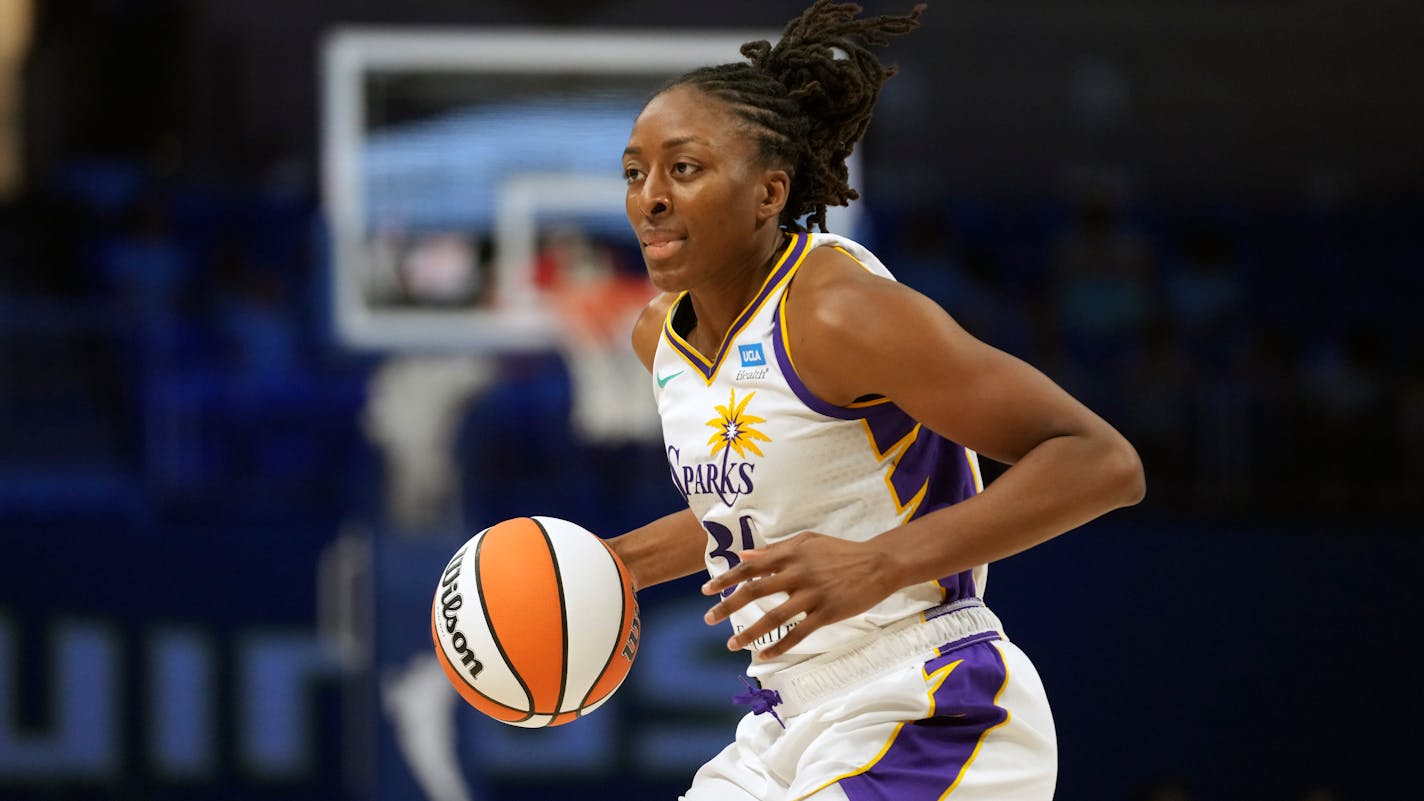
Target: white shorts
970, 724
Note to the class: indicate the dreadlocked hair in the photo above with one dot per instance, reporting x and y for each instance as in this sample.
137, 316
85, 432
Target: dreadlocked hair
809, 99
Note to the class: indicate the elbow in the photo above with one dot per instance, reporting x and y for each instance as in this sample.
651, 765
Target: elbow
1129, 479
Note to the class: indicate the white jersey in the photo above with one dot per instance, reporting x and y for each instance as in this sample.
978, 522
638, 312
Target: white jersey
759, 458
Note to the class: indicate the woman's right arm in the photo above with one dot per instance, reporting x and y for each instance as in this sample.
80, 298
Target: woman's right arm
673, 546
667, 548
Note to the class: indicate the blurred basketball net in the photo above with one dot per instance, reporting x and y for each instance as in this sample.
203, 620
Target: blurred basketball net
597, 300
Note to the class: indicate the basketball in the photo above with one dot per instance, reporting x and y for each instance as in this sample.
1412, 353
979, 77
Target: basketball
534, 621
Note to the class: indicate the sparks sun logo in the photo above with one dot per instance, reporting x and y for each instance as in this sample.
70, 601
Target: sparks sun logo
734, 428
720, 474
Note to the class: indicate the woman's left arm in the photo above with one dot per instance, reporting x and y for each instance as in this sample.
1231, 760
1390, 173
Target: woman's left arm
855, 335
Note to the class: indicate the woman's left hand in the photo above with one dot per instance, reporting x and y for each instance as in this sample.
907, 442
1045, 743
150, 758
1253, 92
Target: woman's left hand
826, 578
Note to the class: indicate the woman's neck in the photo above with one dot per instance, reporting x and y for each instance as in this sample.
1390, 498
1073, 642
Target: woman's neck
717, 307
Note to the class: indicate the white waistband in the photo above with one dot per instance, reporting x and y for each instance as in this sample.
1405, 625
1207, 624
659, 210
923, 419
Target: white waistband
911, 641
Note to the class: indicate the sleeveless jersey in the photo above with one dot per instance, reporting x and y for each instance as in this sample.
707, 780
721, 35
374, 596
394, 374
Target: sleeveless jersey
759, 458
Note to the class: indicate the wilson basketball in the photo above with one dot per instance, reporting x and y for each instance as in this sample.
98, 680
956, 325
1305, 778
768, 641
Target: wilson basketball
535, 622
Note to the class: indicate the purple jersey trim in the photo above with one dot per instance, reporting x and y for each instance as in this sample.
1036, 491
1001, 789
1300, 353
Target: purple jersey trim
793, 379
854, 411
927, 759
790, 260
932, 464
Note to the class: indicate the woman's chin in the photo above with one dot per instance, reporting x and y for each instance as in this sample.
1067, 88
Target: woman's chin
665, 277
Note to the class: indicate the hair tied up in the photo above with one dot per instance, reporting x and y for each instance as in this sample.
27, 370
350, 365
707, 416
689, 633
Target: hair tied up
810, 97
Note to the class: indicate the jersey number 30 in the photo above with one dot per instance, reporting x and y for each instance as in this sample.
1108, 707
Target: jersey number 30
724, 540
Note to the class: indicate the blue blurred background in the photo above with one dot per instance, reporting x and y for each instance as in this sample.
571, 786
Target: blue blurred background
1204, 219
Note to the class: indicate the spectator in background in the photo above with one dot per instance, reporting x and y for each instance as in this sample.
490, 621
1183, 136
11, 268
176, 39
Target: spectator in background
940, 262
1267, 365
1202, 386
253, 317
1349, 409
1103, 293
142, 263
1103, 278
1203, 289
1161, 414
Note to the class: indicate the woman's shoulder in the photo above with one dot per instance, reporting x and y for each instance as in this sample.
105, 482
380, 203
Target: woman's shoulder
649, 326
842, 249
842, 316
840, 282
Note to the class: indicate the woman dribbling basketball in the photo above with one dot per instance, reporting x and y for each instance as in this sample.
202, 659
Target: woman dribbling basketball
823, 422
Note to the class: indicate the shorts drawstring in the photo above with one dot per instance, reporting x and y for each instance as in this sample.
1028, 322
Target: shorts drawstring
761, 700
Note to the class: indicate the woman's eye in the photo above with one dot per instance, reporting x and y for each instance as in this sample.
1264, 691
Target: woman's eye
631, 174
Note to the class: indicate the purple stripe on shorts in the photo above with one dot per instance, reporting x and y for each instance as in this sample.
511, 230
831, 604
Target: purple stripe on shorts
927, 757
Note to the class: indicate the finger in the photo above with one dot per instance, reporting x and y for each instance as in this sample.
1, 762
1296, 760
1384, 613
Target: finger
790, 610
749, 591
802, 629
753, 564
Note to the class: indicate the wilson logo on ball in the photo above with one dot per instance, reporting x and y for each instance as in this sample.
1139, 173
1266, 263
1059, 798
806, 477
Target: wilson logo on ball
450, 603
534, 621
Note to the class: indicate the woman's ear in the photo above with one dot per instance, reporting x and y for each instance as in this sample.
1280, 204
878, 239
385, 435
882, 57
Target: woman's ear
775, 188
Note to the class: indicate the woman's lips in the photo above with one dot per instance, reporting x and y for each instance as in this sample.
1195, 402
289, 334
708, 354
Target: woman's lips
661, 246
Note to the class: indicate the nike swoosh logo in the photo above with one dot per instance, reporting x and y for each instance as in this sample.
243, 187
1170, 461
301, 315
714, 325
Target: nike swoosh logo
663, 379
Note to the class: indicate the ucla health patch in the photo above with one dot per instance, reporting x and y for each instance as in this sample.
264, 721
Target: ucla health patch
752, 355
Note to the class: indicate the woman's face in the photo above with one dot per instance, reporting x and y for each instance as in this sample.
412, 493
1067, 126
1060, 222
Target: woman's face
697, 194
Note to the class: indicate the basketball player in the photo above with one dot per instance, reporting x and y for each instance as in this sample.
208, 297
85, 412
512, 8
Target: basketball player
822, 422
